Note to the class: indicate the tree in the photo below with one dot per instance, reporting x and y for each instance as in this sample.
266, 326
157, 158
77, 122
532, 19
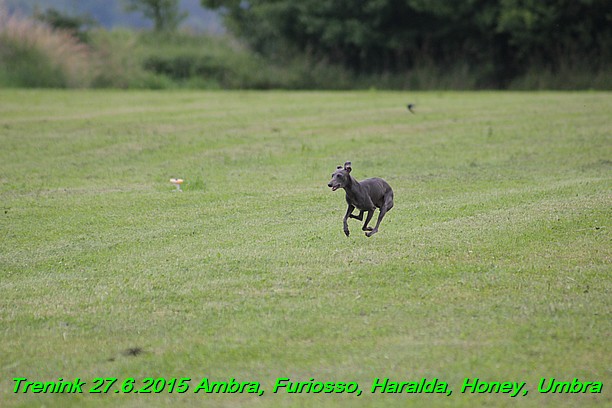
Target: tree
165, 14
547, 32
364, 35
496, 40
78, 26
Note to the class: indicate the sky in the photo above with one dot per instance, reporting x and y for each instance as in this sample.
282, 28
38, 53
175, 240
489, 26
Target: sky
110, 13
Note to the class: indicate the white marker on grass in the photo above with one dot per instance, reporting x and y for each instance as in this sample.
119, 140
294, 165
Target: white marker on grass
177, 182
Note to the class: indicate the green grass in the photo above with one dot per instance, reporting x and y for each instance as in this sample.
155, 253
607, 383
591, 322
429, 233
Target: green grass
494, 262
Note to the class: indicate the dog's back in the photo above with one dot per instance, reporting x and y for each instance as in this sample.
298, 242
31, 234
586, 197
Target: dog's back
379, 191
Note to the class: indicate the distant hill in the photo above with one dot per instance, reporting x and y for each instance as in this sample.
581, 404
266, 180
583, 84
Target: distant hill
110, 13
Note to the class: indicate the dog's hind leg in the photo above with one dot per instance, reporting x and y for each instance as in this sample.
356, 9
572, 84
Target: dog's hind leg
383, 210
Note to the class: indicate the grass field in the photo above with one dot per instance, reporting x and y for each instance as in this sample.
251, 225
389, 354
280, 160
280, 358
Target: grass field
495, 262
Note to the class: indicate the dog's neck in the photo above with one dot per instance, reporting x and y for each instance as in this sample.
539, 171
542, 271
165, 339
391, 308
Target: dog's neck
352, 187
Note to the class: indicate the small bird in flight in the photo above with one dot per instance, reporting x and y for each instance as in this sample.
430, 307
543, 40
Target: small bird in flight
410, 107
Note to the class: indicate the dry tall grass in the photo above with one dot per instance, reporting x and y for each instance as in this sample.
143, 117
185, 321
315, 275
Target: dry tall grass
56, 56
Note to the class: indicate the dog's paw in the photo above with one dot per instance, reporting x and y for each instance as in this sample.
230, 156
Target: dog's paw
346, 232
369, 234
367, 229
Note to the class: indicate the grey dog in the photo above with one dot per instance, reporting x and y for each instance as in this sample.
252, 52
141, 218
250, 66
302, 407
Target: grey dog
366, 196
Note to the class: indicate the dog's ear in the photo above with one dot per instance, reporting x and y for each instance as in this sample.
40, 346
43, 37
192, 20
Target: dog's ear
338, 168
347, 166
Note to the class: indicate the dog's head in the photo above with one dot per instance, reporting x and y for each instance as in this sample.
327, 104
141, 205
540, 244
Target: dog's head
341, 177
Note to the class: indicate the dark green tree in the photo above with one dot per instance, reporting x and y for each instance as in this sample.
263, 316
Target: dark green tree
165, 14
76, 25
365, 35
496, 39
549, 32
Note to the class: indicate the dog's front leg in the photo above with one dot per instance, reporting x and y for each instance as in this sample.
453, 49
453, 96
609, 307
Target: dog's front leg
367, 221
349, 211
358, 217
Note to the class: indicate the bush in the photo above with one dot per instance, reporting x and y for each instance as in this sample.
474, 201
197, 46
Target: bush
34, 55
564, 77
118, 65
205, 62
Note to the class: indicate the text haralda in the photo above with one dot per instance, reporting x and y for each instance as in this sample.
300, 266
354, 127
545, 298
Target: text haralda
424, 386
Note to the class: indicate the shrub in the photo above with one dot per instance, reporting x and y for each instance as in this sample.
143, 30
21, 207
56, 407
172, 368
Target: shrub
118, 65
34, 55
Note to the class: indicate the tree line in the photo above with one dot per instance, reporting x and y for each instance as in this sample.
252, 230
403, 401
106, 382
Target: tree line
415, 44
497, 39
